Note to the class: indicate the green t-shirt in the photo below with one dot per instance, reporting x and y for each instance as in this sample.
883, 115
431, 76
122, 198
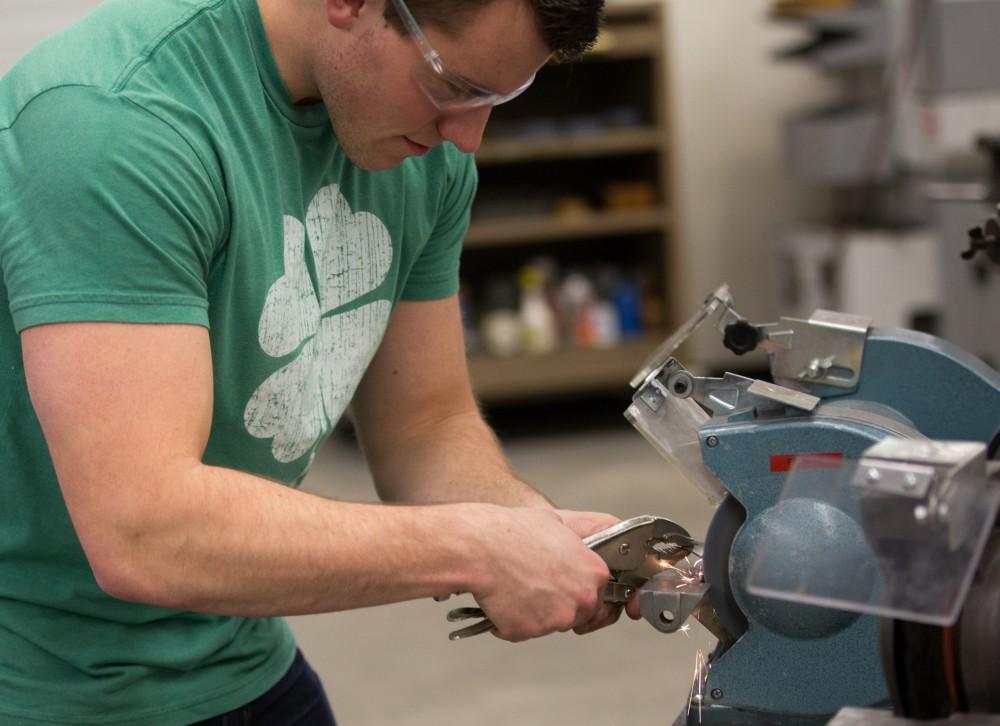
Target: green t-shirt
154, 170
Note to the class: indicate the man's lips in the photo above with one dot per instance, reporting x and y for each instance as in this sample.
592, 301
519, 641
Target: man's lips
415, 148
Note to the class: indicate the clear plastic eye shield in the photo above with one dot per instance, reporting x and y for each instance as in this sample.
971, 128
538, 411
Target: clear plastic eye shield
443, 87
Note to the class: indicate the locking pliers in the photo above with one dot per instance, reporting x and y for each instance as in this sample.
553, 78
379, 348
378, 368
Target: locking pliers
634, 550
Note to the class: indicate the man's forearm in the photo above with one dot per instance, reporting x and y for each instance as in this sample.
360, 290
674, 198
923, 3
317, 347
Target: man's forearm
221, 541
454, 459
224, 542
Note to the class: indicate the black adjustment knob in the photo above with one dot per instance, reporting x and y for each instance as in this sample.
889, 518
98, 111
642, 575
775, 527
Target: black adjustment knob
984, 239
976, 243
741, 337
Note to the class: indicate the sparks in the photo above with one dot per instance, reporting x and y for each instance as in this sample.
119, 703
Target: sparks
697, 695
688, 571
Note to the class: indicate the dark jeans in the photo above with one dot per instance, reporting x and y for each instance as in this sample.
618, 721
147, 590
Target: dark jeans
296, 700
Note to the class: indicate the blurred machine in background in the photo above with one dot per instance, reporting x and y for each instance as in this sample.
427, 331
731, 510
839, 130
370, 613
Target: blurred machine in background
855, 497
903, 157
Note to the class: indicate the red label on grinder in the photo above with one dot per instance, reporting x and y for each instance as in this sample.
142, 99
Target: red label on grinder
783, 462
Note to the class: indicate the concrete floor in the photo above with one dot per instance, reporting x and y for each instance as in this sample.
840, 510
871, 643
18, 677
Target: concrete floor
394, 665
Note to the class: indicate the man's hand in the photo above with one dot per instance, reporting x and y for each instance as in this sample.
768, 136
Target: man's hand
538, 576
586, 524
547, 595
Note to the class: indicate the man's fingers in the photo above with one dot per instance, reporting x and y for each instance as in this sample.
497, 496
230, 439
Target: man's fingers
632, 607
607, 615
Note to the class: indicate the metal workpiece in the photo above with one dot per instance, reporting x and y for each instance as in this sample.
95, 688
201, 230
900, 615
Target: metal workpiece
679, 592
666, 604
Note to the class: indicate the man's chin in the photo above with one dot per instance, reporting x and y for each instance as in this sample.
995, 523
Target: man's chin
374, 162
373, 156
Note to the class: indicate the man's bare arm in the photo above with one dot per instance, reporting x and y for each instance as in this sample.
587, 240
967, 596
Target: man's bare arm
422, 431
418, 422
126, 411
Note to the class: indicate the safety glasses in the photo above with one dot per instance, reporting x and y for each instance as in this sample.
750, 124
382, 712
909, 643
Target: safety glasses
444, 88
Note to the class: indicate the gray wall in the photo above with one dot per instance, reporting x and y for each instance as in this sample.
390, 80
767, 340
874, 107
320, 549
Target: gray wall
24, 22
728, 101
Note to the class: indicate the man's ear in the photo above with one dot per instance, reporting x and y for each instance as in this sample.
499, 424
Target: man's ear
344, 14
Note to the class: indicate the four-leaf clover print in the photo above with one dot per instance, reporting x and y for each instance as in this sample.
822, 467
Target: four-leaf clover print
352, 254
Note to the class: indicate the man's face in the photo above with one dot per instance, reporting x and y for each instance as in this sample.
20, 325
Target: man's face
378, 110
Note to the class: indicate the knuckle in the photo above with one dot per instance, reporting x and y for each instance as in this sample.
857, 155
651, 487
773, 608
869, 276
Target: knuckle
601, 570
539, 630
567, 619
588, 600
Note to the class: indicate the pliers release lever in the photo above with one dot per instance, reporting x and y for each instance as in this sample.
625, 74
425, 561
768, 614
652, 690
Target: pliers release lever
634, 550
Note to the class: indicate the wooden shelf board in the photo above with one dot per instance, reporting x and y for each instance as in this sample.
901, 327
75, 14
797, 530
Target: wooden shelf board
604, 143
572, 370
541, 228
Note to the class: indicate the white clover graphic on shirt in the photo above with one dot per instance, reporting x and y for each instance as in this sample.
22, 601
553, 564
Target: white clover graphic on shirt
352, 254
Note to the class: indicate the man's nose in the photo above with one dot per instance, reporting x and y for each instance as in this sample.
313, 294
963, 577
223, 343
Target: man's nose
464, 127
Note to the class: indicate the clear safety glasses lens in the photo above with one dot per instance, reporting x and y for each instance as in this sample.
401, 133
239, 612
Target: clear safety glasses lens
444, 88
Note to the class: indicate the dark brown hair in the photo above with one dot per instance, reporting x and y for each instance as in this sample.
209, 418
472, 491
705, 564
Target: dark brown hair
568, 27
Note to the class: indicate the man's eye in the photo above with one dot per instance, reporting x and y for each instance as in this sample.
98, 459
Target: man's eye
441, 87
446, 90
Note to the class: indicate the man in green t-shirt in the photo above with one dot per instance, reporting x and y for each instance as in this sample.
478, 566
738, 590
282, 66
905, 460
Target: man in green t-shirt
221, 223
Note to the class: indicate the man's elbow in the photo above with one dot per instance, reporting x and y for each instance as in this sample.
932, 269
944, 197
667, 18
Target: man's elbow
125, 572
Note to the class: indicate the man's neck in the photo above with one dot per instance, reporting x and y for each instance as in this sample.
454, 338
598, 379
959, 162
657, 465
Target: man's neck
289, 25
